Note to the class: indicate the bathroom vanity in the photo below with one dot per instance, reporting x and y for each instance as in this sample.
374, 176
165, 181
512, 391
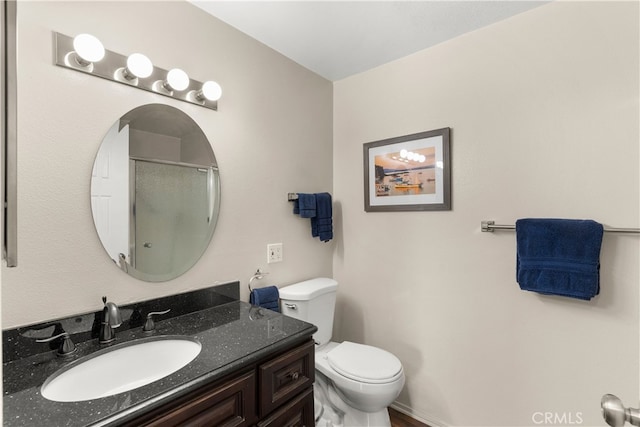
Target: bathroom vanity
255, 367
273, 392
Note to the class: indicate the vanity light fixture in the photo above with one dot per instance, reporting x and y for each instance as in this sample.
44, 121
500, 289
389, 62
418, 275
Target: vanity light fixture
138, 65
87, 49
176, 80
210, 90
85, 53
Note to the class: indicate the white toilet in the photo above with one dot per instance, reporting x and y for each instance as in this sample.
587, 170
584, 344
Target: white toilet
354, 382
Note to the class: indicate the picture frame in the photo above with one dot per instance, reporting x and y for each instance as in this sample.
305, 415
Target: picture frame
408, 173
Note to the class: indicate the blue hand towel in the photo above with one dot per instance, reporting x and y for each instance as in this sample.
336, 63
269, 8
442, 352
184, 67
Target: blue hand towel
559, 256
305, 205
267, 297
322, 224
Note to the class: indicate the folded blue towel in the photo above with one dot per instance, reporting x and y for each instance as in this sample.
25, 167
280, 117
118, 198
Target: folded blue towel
267, 297
305, 205
322, 224
559, 256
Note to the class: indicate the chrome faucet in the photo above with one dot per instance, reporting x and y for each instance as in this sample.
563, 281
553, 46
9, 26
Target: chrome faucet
111, 319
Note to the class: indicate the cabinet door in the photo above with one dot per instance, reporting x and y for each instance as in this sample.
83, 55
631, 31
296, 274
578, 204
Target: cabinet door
285, 376
297, 413
231, 404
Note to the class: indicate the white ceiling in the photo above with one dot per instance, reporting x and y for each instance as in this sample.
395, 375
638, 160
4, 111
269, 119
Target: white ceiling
336, 39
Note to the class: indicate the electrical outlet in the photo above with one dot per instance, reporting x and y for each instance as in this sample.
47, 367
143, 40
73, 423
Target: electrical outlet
274, 252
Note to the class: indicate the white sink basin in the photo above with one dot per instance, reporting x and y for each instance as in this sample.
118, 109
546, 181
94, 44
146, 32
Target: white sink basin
119, 369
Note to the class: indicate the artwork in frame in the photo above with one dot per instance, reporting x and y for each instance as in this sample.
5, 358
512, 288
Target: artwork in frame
408, 173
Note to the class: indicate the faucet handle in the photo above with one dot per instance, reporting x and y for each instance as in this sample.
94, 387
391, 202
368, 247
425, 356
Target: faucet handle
150, 325
66, 347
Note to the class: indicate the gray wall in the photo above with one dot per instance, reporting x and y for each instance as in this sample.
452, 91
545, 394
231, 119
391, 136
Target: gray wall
544, 114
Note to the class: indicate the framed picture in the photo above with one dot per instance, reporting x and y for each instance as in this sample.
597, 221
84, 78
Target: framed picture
408, 173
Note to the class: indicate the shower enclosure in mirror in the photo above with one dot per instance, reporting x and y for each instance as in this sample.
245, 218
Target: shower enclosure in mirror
155, 192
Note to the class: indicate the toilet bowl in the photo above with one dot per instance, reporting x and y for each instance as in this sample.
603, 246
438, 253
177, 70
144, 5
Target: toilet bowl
366, 380
355, 383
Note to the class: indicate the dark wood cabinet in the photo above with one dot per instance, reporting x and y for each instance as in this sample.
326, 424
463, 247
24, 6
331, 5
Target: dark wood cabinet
275, 392
231, 404
296, 413
285, 376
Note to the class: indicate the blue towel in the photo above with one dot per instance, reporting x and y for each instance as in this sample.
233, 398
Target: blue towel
267, 297
322, 223
559, 256
305, 205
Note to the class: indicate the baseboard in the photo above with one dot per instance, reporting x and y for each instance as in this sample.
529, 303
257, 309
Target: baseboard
400, 407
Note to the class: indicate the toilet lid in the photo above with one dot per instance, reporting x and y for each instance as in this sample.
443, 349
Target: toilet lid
364, 363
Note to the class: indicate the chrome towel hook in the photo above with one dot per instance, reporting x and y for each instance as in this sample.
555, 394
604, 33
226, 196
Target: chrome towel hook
257, 275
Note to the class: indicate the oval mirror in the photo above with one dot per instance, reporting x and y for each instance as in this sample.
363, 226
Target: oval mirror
155, 192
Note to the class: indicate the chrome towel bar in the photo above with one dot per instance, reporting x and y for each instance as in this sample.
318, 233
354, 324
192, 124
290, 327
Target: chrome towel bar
491, 226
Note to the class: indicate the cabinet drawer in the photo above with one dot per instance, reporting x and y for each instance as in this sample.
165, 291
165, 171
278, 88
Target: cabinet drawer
231, 404
296, 413
285, 376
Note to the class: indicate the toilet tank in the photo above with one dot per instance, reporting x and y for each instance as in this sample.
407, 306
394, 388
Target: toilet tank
313, 301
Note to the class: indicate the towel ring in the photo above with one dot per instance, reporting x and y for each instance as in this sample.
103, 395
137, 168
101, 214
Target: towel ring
257, 275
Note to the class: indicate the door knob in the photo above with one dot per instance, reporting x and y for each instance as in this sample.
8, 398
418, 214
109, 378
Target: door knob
615, 414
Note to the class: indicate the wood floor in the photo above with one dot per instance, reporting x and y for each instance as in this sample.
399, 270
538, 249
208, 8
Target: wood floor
398, 419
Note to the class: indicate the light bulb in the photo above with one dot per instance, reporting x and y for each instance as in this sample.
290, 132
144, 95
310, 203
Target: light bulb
210, 90
138, 65
177, 79
88, 49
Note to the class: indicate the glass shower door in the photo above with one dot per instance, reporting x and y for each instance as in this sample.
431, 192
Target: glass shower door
162, 243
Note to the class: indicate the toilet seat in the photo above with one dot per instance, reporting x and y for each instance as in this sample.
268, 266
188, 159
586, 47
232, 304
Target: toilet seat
364, 363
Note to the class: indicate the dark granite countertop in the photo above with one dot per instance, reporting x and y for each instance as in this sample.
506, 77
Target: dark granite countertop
233, 335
